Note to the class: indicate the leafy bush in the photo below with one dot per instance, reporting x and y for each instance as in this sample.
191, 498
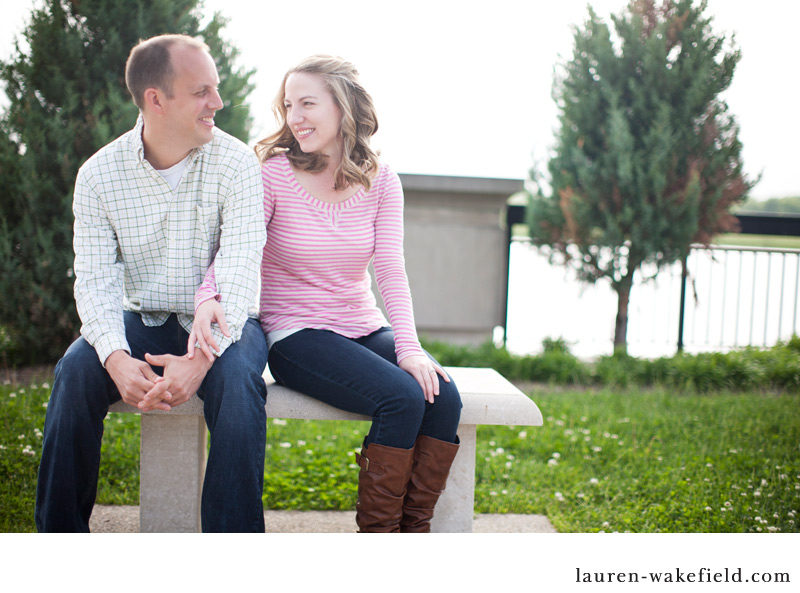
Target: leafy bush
739, 370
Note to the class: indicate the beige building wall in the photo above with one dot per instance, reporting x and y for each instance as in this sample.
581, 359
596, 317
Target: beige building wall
456, 248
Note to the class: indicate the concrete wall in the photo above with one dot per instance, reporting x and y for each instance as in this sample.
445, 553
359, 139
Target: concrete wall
456, 248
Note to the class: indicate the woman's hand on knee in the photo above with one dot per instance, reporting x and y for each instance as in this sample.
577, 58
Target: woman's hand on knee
426, 372
208, 312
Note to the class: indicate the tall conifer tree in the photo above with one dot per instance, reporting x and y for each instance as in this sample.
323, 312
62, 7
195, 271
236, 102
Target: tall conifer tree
66, 93
647, 158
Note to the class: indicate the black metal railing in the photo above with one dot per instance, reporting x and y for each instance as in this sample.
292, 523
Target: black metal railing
730, 296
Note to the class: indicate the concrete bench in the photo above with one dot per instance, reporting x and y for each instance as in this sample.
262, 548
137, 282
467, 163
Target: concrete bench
173, 448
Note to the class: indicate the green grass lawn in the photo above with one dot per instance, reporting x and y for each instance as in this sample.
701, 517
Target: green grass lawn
633, 460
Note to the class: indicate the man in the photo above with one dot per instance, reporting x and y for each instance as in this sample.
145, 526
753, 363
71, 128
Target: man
152, 210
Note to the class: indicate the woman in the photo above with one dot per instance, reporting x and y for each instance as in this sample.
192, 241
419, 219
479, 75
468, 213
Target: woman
332, 209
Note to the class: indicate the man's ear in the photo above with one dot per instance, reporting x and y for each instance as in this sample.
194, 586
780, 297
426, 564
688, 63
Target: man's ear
154, 99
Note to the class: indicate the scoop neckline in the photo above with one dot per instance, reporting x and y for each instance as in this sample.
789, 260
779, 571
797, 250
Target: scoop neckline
316, 201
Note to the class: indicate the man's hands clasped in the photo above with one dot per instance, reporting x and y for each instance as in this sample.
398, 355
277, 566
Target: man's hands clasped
140, 386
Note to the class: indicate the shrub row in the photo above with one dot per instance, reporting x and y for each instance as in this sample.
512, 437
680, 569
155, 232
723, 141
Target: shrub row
777, 368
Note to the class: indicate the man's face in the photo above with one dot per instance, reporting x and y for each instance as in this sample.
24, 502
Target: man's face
195, 99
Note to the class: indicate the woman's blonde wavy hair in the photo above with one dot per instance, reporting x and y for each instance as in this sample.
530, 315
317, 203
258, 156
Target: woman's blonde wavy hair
359, 123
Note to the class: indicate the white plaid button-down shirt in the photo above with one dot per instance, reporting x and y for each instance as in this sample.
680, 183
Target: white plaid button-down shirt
142, 247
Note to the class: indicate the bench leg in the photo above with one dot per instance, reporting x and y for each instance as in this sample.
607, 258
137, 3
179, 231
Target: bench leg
172, 466
455, 509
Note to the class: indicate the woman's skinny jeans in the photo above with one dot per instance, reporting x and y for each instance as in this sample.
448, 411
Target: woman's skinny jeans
361, 375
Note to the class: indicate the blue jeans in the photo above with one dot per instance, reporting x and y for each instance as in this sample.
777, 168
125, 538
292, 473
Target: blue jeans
233, 393
361, 375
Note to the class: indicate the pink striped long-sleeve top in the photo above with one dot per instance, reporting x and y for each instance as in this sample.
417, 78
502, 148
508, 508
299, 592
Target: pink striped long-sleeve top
314, 273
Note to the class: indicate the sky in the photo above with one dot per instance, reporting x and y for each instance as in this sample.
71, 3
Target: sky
464, 88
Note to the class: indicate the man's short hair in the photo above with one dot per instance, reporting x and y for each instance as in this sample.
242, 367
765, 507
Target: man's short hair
149, 65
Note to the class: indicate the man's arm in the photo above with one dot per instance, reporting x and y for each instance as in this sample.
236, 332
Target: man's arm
98, 272
98, 294
237, 263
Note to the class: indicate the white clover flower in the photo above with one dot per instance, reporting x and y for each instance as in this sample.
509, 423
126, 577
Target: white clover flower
45, 385
606, 524
597, 449
508, 464
709, 509
301, 443
594, 481
286, 445
492, 493
556, 455
580, 495
504, 492
279, 422
558, 496
12, 394
523, 434
552, 462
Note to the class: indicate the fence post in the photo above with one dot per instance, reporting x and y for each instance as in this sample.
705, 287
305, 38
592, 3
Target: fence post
683, 302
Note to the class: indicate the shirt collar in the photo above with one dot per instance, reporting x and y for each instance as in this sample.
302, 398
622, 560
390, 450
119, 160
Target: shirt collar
138, 144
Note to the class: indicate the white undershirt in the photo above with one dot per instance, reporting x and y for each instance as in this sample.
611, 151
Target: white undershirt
174, 173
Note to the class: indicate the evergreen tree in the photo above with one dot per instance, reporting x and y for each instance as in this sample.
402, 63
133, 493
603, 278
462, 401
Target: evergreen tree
67, 98
647, 158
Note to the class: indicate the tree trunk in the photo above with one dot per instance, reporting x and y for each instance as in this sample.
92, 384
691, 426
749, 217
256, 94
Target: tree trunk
621, 327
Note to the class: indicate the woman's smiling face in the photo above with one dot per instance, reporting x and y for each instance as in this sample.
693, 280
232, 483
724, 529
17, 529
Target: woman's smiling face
313, 115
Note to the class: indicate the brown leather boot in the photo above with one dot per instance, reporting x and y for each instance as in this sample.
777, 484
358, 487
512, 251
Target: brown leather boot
432, 461
382, 484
